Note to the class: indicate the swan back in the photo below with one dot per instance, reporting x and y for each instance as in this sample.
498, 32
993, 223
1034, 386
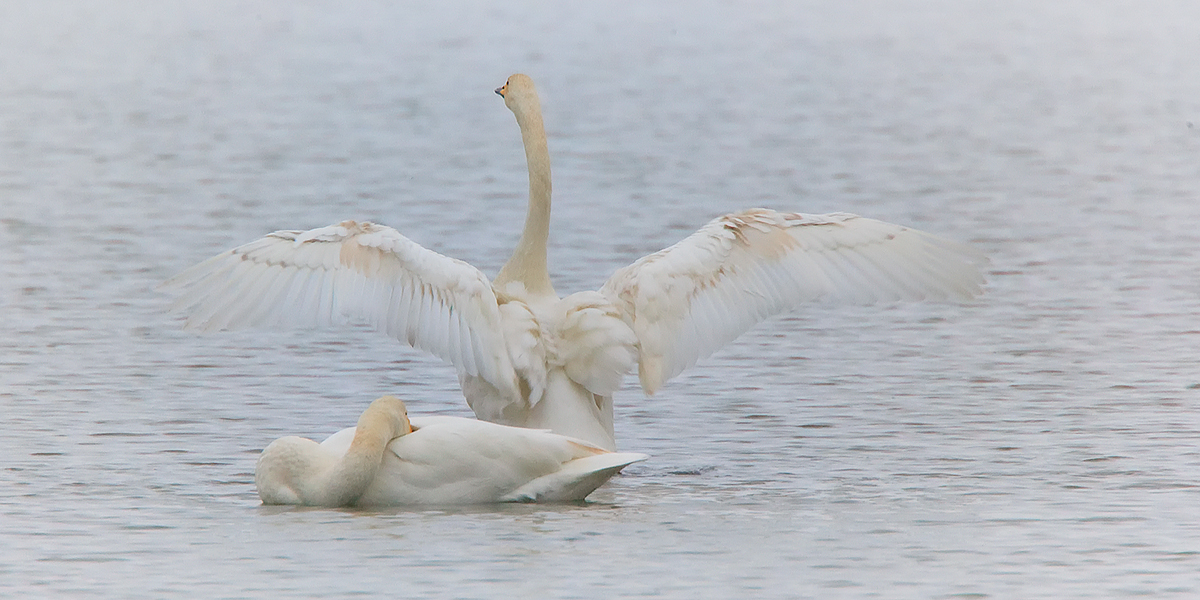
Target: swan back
452, 460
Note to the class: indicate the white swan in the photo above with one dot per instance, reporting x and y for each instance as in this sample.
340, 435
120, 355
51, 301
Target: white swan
390, 460
526, 357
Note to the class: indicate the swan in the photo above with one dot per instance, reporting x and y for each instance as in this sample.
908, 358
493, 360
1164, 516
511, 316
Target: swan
527, 357
389, 459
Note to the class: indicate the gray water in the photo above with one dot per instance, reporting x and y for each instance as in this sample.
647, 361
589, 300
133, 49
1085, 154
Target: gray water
1042, 442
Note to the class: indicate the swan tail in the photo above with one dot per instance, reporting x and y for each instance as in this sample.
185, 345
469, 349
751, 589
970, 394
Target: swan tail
576, 479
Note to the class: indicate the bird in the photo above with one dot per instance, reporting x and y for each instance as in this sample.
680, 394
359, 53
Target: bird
390, 459
526, 356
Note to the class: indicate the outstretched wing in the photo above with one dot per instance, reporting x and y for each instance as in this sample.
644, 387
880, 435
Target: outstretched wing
353, 271
687, 301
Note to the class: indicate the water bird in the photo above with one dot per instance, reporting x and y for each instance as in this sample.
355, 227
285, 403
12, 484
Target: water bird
389, 459
529, 358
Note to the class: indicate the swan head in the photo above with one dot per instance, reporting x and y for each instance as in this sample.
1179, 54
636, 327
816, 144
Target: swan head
390, 412
519, 93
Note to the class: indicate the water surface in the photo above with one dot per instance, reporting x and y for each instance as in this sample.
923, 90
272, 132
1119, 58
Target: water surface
1040, 442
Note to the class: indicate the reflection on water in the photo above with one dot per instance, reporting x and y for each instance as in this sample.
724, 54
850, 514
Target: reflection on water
1041, 441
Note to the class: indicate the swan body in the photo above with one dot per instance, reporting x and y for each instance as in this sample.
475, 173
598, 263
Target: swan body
527, 357
391, 460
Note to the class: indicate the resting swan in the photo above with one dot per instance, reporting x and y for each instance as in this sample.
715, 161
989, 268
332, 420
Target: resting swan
525, 356
391, 460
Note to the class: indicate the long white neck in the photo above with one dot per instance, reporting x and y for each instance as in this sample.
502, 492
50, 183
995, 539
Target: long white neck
528, 262
343, 484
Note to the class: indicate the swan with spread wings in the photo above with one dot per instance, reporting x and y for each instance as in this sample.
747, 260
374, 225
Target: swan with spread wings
526, 356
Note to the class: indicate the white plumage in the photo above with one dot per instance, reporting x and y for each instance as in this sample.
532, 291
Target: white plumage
391, 460
526, 357
354, 270
687, 301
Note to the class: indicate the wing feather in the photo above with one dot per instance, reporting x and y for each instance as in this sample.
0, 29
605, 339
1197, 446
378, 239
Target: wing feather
685, 302
595, 346
353, 271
